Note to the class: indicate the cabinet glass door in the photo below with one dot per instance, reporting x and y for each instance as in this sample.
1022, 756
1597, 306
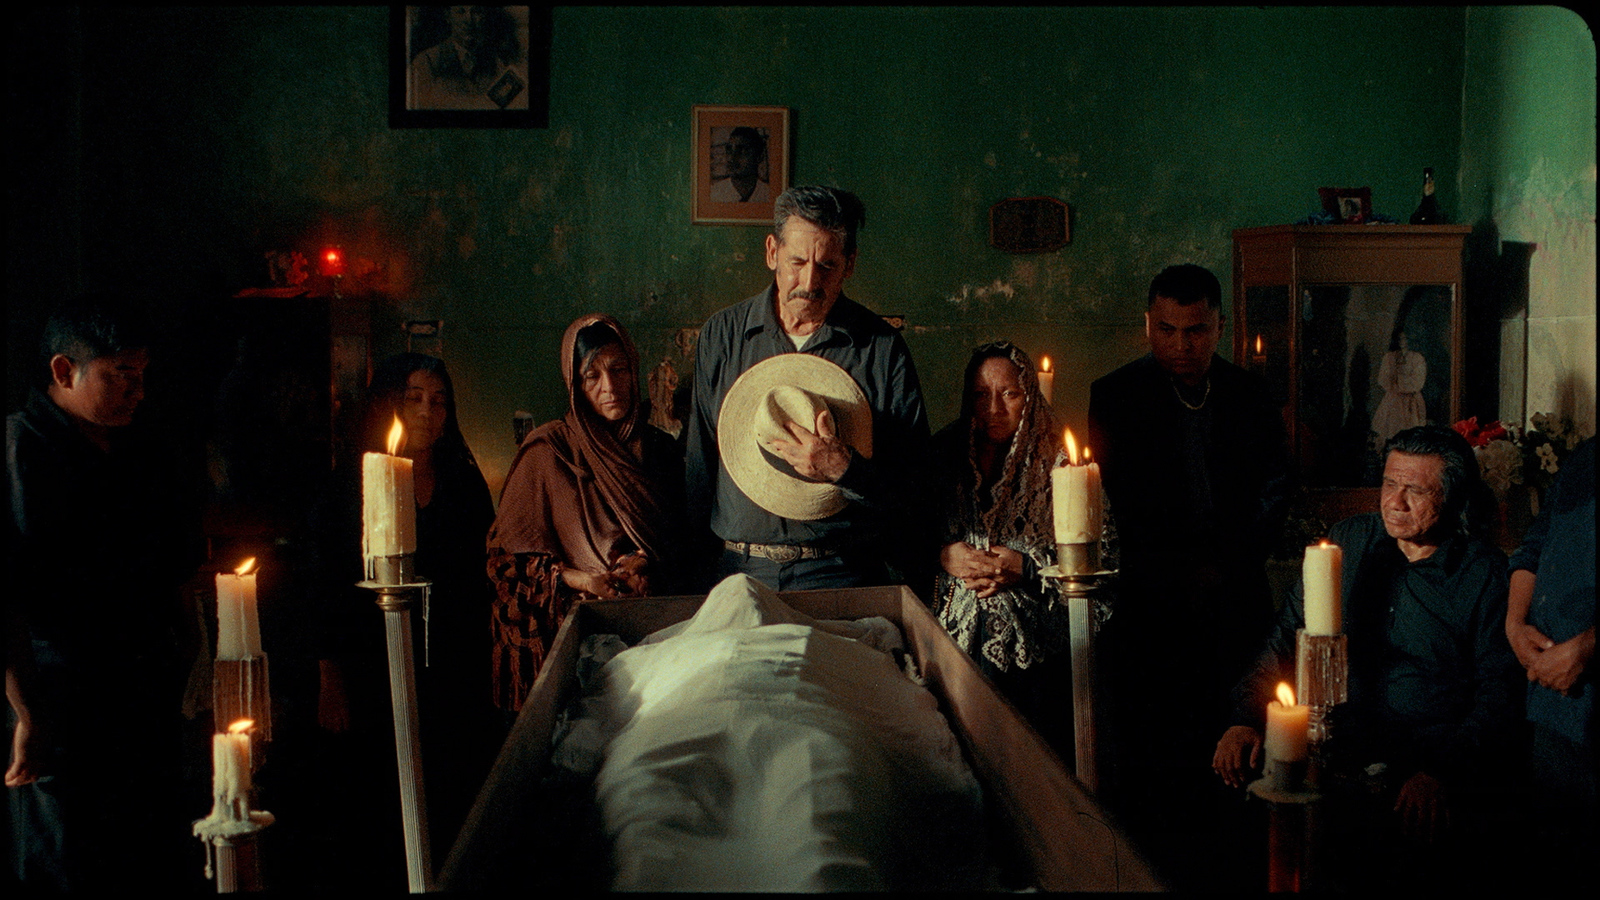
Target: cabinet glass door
1374, 359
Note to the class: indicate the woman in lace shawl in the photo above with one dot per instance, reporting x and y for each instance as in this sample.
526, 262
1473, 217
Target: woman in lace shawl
993, 464
588, 510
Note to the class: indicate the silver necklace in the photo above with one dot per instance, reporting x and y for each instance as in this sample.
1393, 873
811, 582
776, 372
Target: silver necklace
1203, 397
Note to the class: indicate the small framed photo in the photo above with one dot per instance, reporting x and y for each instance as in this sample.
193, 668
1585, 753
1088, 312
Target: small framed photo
1029, 225
740, 163
1348, 206
469, 67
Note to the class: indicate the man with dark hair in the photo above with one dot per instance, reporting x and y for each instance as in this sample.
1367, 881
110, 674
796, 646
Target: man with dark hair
1195, 462
1434, 690
100, 537
747, 150
868, 535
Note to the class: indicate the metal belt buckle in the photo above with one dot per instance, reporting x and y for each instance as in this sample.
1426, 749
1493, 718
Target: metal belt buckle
783, 554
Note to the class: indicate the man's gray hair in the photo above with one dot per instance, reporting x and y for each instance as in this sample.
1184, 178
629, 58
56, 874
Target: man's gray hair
829, 208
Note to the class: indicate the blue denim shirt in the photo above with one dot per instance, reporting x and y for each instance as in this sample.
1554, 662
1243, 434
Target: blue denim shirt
1559, 550
883, 503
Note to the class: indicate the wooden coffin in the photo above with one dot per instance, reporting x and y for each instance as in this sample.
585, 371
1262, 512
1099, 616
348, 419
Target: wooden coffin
1064, 839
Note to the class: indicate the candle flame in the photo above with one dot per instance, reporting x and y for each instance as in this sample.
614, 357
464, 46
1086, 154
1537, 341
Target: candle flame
1258, 345
245, 567
241, 726
397, 434
1044, 363
1285, 693
1086, 454
1072, 446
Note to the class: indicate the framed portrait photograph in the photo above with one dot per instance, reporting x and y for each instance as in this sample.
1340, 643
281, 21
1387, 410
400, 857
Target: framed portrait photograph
1351, 206
1029, 225
469, 67
740, 163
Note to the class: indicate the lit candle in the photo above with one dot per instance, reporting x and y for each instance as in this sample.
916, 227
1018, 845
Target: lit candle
1320, 576
1260, 354
1287, 727
238, 623
230, 771
1047, 380
388, 501
1075, 497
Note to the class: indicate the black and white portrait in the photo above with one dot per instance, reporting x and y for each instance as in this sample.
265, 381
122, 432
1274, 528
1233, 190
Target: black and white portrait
467, 58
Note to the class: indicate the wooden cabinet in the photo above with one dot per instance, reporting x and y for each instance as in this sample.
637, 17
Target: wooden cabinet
1359, 330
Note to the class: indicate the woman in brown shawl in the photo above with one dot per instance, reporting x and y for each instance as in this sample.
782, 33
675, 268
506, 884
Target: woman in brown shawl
589, 508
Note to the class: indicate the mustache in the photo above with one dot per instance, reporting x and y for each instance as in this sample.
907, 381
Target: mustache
803, 294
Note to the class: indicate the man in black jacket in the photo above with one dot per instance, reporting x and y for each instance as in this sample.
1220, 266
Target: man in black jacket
1195, 463
102, 533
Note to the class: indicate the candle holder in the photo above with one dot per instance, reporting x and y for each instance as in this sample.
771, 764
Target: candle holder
1291, 825
1077, 559
384, 571
241, 689
1082, 582
230, 830
233, 851
1321, 671
396, 600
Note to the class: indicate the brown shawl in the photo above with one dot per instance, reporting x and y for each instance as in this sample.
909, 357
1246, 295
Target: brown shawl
580, 490
579, 494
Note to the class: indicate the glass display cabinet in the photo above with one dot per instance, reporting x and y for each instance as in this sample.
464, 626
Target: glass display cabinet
1358, 329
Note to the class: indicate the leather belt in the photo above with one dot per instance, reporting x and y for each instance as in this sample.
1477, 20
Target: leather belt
779, 553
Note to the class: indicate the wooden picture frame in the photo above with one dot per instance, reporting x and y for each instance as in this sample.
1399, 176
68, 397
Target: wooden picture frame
1348, 206
507, 49
755, 139
1029, 225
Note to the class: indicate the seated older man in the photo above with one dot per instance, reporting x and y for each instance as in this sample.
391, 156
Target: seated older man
1434, 698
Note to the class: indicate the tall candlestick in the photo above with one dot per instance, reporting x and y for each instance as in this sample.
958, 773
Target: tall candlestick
1287, 725
1075, 499
1320, 575
389, 506
1047, 380
238, 621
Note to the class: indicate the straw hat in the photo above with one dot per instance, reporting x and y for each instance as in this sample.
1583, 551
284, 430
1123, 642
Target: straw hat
789, 387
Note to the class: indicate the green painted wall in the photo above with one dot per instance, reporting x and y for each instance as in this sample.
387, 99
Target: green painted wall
209, 136
1527, 182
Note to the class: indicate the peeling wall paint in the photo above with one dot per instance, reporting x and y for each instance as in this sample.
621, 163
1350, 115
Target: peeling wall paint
931, 115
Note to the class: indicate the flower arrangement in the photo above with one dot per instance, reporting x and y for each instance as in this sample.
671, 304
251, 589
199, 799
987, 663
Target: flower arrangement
1509, 455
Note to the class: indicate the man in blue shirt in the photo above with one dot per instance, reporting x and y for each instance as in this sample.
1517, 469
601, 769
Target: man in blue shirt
873, 539
1550, 623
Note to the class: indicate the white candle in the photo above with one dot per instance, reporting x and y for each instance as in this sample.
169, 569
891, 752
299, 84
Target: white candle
388, 501
1047, 380
230, 771
1287, 727
238, 622
1075, 498
1320, 576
